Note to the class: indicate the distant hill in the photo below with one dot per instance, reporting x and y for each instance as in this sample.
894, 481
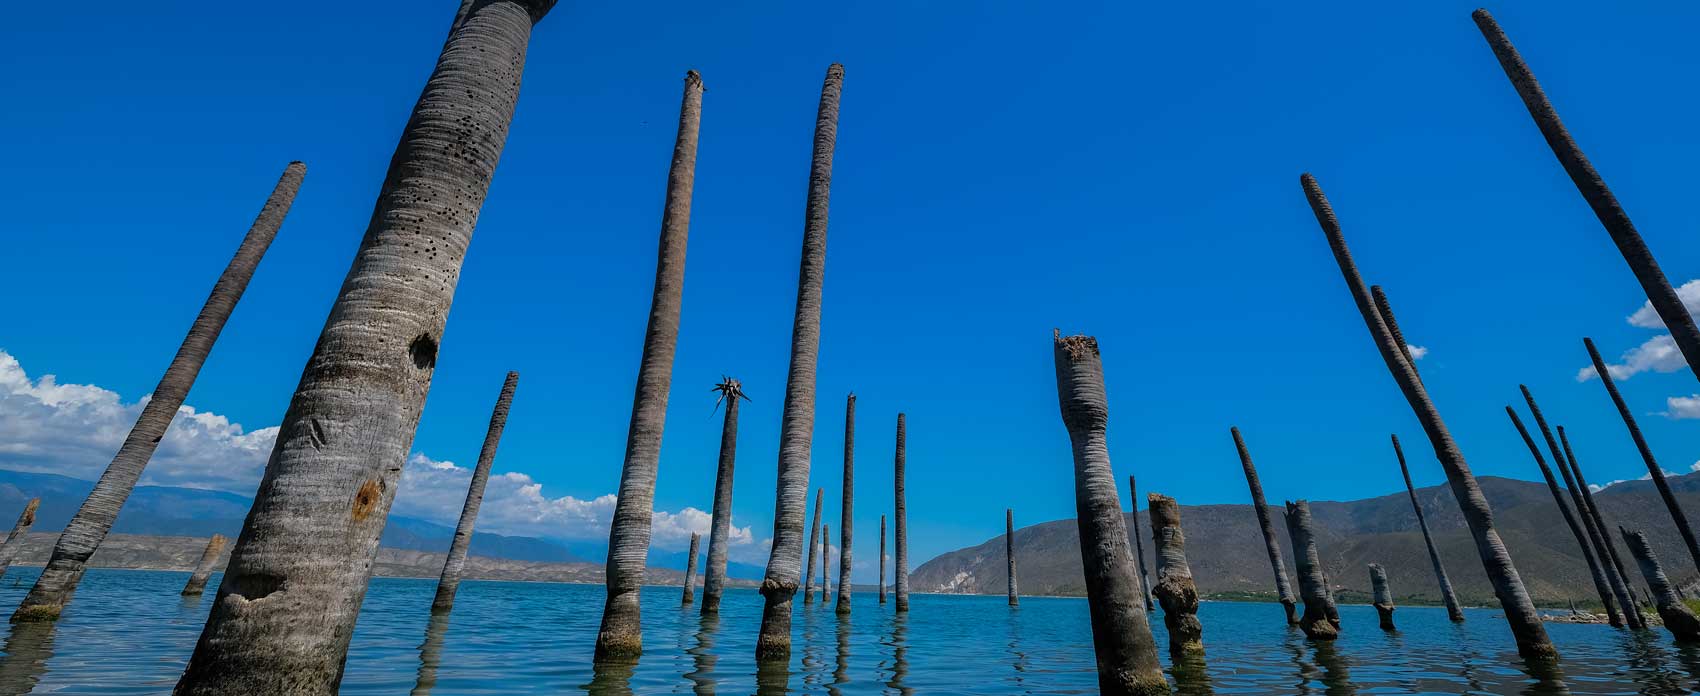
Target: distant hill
1227, 557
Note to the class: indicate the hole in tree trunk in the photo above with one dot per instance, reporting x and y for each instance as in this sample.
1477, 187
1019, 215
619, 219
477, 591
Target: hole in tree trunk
252, 586
424, 352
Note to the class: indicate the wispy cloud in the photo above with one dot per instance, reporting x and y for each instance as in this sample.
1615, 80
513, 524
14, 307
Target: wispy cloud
1644, 477
1417, 352
1656, 354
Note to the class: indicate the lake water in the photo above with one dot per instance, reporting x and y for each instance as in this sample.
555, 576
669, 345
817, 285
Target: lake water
128, 632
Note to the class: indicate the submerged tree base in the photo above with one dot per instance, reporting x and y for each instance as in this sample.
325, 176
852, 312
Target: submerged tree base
37, 613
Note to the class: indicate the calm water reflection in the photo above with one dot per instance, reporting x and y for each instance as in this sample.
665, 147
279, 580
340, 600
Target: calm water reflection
128, 632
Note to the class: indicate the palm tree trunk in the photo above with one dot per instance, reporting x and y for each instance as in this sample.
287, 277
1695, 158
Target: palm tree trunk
1143, 579
1678, 618
1175, 589
1594, 191
1283, 590
89, 527
209, 557
814, 546
1313, 587
844, 529
1009, 553
1600, 584
1632, 611
25, 520
1525, 622
1453, 611
431, 651
1121, 632
621, 635
1385, 309
714, 576
882, 559
797, 428
900, 574
691, 572
1653, 469
825, 548
455, 564
287, 606
1383, 596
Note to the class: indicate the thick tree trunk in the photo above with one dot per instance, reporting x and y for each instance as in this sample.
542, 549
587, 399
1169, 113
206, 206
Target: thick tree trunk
798, 422
1283, 590
1313, 587
89, 527
825, 547
203, 569
1520, 614
1121, 632
814, 547
1453, 611
1143, 578
1383, 596
691, 572
286, 609
1009, 553
26, 519
882, 559
714, 576
1654, 471
1600, 585
900, 571
1175, 589
1632, 611
621, 635
455, 564
844, 529
1593, 189
1679, 620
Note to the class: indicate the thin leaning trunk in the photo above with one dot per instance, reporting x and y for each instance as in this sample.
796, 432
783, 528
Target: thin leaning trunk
287, 606
1121, 631
1283, 590
1009, 553
1599, 197
1175, 588
1656, 472
621, 635
825, 532
798, 422
900, 572
844, 530
1453, 611
1599, 578
1143, 578
1307, 565
455, 564
26, 519
691, 572
1679, 619
1520, 614
1382, 597
93, 521
714, 575
814, 547
1385, 309
882, 559
1632, 611
209, 557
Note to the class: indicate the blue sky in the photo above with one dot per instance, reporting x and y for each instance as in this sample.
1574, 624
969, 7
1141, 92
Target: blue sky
1002, 169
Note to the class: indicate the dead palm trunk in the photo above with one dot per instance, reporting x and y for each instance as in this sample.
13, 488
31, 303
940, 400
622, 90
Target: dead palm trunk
1632, 611
1385, 309
1653, 469
825, 548
1121, 632
814, 546
1283, 590
287, 606
1143, 578
844, 529
691, 572
1175, 588
1313, 587
1600, 584
1525, 622
25, 520
1383, 596
882, 559
89, 527
203, 569
714, 576
455, 564
621, 635
900, 573
798, 422
1453, 611
1594, 191
1009, 553
1678, 618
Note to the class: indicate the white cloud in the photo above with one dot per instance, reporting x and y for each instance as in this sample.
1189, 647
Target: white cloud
1646, 318
1644, 477
1417, 352
1656, 354
1682, 407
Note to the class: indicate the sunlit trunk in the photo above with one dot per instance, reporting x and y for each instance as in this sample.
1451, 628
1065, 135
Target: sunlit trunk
1283, 590
455, 565
1175, 589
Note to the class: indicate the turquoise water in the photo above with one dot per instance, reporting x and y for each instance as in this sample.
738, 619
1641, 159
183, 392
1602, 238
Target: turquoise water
129, 633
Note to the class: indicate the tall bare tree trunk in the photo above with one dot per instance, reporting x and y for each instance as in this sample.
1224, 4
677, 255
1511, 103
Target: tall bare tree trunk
797, 428
1175, 589
1009, 553
1600, 584
621, 635
455, 564
203, 569
1632, 612
1121, 632
691, 572
1453, 611
814, 547
298, 574
844, 528
882, 559
1679, 619
1283, 590
1385, 309
1520, 614
26, 519
89, 527
1594, 191
1313, 587
714, 576
1656, 472
901, 534
825, 548
1142, 578
1383, 596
